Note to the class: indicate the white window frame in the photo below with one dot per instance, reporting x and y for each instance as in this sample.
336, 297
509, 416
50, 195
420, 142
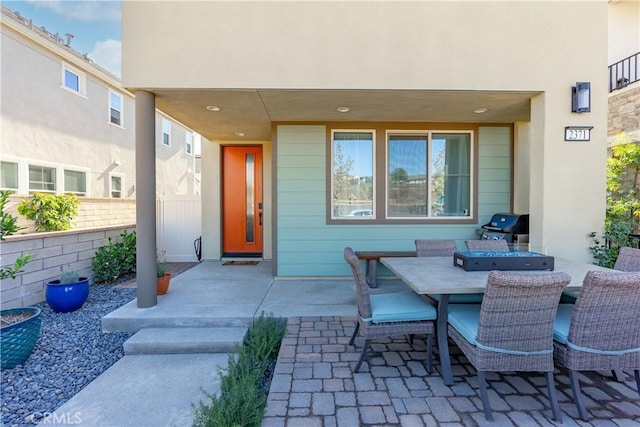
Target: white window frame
373, 166
82, 79
77, 193
166, 130
111, 107
188, 143
39, 190
111, 189
17, 177
429, 135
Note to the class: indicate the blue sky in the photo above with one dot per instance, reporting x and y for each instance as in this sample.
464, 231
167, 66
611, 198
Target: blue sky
95, 25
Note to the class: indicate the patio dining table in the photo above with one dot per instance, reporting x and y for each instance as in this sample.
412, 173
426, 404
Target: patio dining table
438, 275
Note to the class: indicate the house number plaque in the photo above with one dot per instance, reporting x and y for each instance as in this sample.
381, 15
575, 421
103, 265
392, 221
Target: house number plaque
577, 133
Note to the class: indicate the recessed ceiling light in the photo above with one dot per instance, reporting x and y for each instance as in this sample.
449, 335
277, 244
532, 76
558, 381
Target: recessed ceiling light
343, 109
239, 133
480, 110
213, 108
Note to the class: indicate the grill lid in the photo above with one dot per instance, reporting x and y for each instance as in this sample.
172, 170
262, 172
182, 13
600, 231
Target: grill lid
509, 223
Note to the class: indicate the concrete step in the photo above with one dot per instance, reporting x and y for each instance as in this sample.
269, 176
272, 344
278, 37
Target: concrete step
134, 320
184, 340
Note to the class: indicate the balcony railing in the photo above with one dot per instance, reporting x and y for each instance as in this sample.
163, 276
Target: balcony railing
624, 72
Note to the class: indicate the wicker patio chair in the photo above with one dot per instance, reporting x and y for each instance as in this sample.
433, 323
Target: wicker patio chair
432, 247
601, 331
628, 259
439, 248
512, 330
486, 245
390, 314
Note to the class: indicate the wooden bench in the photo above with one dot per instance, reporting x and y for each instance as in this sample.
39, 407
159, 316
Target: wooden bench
372, 258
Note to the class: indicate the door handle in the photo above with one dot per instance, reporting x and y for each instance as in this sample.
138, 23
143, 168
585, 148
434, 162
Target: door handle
260, 218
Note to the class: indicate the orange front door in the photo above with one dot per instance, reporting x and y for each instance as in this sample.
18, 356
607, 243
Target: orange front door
241, 201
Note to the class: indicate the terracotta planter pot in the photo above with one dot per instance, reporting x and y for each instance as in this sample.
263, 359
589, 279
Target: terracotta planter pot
163, 283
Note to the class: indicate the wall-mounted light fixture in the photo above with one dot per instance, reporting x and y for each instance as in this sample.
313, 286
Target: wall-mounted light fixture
581, 97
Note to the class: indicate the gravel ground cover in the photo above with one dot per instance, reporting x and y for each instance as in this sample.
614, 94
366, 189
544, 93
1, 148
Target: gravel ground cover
70, 353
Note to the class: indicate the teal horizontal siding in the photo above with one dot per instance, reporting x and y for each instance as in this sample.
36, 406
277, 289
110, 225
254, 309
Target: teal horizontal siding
308, 246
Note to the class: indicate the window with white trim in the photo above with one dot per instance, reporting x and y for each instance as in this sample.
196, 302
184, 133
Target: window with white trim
75, 182
166, 132
9, 176
188, 144
116, 186
428, 174
115, 108
352, 178
42, 178
73, 79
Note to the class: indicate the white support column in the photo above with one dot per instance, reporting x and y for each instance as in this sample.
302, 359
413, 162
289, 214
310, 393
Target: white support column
146, 199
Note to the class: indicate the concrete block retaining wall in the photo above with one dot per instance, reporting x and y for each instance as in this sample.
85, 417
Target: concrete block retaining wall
92, 213
52, 252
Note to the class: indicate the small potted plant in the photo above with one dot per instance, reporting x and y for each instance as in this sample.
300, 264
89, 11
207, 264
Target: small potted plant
163, 278
67, 293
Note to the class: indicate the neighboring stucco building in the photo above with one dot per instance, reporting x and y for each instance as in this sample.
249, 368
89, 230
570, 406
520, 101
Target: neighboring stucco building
624, 72
68, 125
431, 115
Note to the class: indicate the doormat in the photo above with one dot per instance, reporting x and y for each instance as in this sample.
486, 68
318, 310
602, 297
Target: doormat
240, 263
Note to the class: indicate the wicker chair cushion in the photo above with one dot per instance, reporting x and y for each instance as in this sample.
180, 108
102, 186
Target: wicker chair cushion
562, 322
400, 307
460, 298
465, 318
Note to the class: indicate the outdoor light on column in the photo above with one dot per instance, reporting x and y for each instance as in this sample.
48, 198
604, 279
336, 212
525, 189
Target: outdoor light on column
581, 97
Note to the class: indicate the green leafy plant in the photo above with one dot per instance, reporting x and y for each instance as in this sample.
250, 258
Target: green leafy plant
9, 224
16, 268
69, 276
243, 388
623, 203
51, 212
115, 259
9, 227
161, 268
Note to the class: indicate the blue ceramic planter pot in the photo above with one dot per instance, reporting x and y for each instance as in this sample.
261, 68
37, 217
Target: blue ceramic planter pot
18, 339
66, 297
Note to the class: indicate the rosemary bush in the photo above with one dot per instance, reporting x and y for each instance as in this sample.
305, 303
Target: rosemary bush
243, 387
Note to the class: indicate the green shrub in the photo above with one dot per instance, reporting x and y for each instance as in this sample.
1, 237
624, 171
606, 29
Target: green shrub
51, 212
15, 269
69, 276
9, 224
243, 389
115, 259
9, 227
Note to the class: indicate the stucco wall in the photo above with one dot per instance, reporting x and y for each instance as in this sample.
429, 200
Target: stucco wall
624, 112
52, 253
624, 29
47, 125
451, 46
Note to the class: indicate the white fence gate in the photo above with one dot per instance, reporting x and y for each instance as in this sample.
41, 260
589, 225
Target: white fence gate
178, 226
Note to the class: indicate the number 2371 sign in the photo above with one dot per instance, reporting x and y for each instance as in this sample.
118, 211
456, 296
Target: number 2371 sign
577, 133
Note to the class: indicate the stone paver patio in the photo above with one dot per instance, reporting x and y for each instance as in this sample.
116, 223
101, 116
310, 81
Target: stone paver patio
313, 385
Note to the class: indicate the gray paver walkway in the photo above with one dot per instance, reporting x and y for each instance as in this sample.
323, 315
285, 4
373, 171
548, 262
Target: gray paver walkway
313, 384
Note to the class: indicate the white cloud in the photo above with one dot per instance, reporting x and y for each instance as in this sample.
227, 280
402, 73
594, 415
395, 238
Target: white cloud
108, 54
84, 11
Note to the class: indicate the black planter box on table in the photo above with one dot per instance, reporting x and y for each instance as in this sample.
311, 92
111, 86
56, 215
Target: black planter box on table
485, 261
